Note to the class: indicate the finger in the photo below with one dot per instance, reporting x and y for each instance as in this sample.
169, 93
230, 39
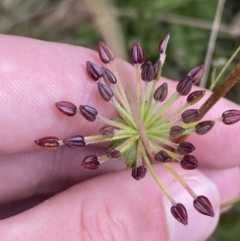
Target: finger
47, 172
36, 74
96, 209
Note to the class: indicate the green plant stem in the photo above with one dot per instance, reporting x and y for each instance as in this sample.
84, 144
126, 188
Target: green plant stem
224, 68
181, 180
155, 177
230, 202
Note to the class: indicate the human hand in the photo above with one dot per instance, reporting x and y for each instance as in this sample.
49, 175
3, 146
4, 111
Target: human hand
107, 204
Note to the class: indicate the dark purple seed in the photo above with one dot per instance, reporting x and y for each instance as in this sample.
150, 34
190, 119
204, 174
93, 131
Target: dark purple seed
94, 71
203, 127
88, 112
180, 213
190, 115
113, 153
105, 91
184, 86
189, 162
176, 131
230, 117
91, 162
185, 148
66, 108
161, 156
204, 206
196, 74
195, 96
105, 54
49, 142
137, 55
161, 92
107, 131
76, 141
163, 44
108, 76
139, 172
157, 67
148, 72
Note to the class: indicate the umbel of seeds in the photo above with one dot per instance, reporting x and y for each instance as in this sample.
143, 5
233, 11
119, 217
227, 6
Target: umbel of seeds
142, 133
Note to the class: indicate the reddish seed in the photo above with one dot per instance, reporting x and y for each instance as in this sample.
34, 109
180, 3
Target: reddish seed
230, 117
161, 92
161, 156
49, 142
137, 55
76, 141
190, 115
176, 131
185, 148
139, 172
91, 162
105, 54
88, 112
180, 213
148, 72
195, 96
107, 131
163, 44
66, 108
204, 206
184, 86
203, 127
108, 76
105, 91
196, 73
113, 153
93, 71
189, 162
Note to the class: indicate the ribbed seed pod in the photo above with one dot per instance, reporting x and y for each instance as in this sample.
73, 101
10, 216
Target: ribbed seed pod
105, 53
93, 71
204, 206
107, 131
203, 127
105, 91
162, 156
113, 153
190, 115
230, 116
176, 131
76, 141
180, 213
195, 96
163, 44
88, 112
139, 172
189, 162
161, 92
185, 148
184, 86
91, 162
148, 72
66, 108
49, 142
196, 74
137, 55
108, 76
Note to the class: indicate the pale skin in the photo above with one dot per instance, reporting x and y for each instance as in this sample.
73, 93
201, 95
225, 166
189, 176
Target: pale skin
83, 205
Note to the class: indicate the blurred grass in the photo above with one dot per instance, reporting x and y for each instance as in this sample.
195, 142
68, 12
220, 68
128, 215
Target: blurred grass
188, 21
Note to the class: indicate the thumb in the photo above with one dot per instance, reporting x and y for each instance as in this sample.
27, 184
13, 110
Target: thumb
116, 207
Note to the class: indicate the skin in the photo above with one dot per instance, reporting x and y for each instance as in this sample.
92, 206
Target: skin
75, 204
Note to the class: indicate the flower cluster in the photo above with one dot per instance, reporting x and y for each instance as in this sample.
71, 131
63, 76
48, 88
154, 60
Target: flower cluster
143, 133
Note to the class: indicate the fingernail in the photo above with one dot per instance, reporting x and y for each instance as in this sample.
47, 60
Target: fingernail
199, 227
